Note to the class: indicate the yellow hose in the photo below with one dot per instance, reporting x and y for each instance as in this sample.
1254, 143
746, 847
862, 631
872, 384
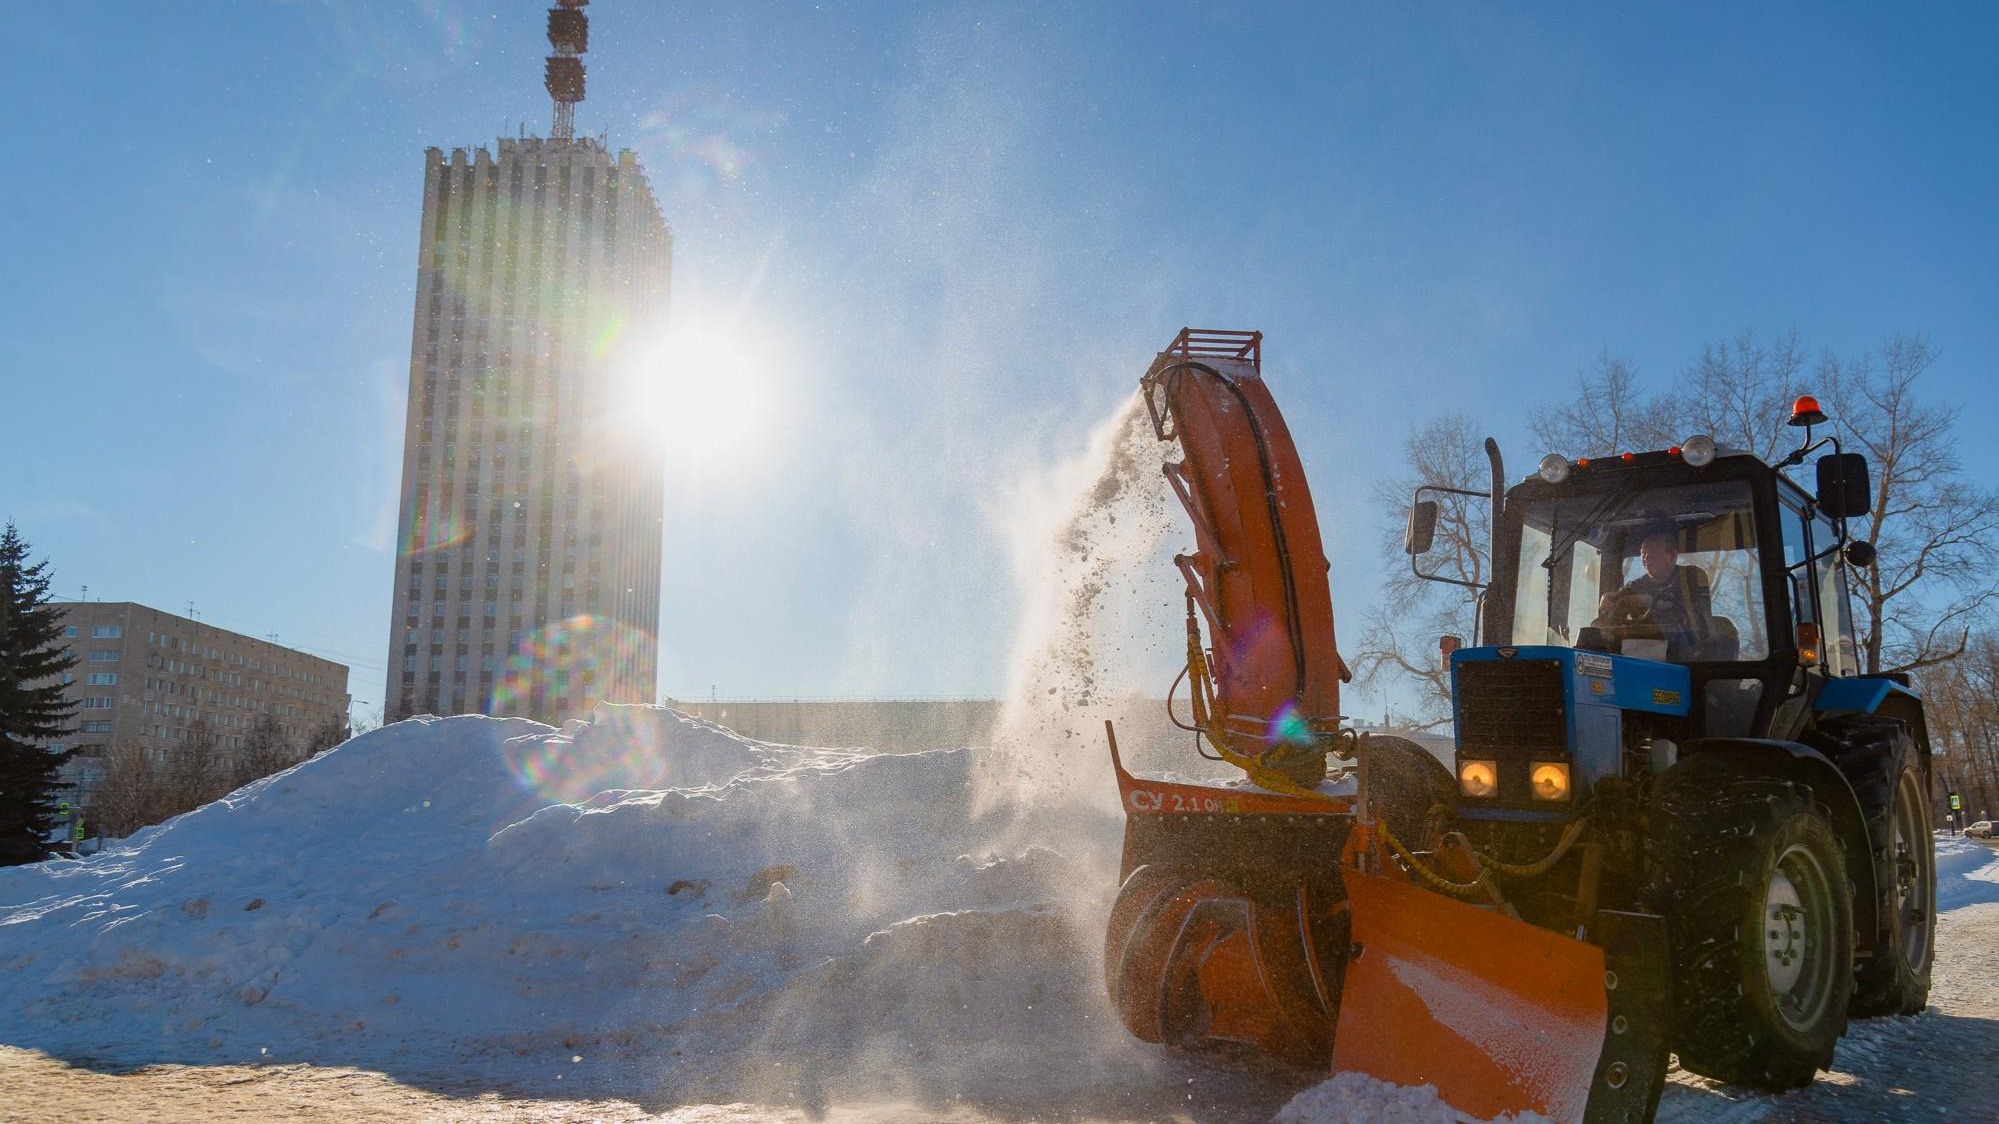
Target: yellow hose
1199, 681
1488, 866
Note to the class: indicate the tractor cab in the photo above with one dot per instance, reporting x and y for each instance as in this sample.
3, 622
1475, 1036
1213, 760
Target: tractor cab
1703, 559
1724, 566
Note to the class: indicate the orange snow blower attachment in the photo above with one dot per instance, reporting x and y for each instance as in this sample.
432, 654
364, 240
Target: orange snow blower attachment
1335, 922
1268, 690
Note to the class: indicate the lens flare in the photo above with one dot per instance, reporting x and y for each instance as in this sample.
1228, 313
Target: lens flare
607, 337
580, 660
430, 531
702, 131
379, 41
623, 749
1287, 727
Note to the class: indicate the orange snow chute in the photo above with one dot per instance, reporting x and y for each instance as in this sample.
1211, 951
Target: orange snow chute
1269, 609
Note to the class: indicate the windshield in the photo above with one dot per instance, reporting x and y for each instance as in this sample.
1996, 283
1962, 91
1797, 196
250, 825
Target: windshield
1664, 573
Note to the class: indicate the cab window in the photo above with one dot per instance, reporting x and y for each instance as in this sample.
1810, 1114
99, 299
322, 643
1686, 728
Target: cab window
1839, 650
1817, 582
1584, 579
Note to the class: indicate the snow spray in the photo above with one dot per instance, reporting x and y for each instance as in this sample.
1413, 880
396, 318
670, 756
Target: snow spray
1098, 636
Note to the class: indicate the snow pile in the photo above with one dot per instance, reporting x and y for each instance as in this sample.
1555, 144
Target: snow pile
643, 890
1355, 1098
764, 923
1967, 873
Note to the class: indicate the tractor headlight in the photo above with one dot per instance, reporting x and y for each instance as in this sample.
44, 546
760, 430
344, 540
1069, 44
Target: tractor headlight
1698, 450
1554, 468
1550, 780
1478, 778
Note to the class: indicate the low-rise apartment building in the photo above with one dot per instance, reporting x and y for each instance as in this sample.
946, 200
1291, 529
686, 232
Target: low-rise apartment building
144, 676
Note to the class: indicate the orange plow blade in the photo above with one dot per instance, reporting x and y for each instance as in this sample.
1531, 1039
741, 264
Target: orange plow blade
1500, 1016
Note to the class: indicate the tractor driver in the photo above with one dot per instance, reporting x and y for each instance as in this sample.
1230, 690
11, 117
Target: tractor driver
1667, 601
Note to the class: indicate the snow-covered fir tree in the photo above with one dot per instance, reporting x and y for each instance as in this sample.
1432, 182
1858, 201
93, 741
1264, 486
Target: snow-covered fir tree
33, 709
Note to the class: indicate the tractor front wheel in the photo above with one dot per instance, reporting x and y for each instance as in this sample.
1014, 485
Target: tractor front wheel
1761, 923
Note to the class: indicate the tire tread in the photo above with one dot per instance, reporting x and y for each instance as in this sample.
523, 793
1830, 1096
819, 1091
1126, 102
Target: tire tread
1711, 821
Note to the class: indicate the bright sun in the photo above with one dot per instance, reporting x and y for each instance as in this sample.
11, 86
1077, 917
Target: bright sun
698, 395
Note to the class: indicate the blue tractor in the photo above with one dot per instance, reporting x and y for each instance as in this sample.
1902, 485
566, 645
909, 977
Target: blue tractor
1668, 653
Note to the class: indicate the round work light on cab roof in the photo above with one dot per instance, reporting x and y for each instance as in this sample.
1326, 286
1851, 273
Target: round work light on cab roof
1698, 450
1554, 468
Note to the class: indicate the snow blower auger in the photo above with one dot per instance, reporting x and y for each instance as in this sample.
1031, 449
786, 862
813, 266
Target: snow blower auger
1677, 817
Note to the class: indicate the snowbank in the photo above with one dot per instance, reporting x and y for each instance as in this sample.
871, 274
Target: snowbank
1967, 873
1355, 1098
643, 903
638, 888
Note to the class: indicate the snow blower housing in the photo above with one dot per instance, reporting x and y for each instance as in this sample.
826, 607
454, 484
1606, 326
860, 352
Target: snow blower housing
1678, 818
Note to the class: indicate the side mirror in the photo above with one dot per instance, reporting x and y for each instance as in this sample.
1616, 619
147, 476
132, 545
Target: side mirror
1860, 553
1843, 488
1422, 528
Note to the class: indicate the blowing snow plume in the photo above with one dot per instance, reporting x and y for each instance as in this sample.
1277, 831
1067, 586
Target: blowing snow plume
1098, 637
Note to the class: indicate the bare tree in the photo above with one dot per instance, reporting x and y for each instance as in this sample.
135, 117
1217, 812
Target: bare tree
1608, 414
1738, 392
265, 750
196, 770
1400, 633
132, 793
325, 735
1961, 701
1936, 535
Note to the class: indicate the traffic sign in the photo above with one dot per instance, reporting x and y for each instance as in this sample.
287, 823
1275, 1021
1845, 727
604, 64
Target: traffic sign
1955, 803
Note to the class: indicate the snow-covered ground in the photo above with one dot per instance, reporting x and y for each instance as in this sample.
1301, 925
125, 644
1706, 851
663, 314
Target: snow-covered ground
650, 909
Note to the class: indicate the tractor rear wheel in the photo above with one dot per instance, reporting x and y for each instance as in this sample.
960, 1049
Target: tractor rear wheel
1891, 781
1760, 917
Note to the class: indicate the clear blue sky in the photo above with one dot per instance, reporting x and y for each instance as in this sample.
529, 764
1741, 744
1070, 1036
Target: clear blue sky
960, 231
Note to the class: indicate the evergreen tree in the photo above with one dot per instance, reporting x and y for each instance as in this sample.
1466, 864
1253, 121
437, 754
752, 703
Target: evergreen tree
33, 709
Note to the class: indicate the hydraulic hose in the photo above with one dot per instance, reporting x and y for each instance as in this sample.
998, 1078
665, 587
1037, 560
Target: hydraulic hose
1488, 866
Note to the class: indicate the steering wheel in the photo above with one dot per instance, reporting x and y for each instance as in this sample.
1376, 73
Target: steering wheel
1626, 616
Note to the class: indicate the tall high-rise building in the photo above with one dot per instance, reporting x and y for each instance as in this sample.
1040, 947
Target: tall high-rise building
527, 579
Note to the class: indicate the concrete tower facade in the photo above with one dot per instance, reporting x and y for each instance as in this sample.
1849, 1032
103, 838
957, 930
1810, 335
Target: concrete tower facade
527, 579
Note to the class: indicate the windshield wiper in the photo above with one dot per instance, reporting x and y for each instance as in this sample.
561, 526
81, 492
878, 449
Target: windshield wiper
1603, 509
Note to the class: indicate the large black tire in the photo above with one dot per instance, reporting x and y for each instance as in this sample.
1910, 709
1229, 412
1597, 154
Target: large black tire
1405, 781
1760, 918
1891, 780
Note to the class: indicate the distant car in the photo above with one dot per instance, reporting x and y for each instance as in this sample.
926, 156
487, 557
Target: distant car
1980, 830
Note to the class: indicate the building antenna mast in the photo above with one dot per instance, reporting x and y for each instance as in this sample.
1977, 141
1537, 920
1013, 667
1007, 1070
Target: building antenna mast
569, 34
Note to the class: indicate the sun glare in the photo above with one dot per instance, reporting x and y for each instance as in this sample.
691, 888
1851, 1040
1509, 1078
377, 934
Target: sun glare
698, 396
